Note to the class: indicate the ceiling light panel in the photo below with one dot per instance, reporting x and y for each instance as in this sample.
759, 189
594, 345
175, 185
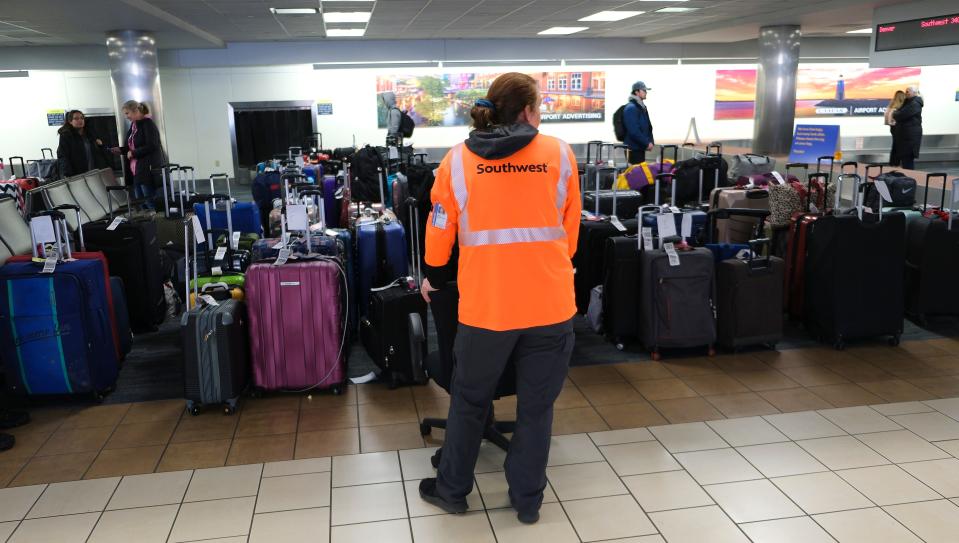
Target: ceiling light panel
345, 32
563, 30
347, 16
860, 31
611, 16
294, 11
675, 10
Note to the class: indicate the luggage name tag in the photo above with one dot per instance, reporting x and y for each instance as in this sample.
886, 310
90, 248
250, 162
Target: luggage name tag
813, 208
648, 238
49, 265
673, 209
282, 257
236, 238
297, 218
116, 222
209, 300
666, 225
330, 232
279, 245
394, 153
672, 254
197, 229
588, 215
614, 220
217, 271
883, 189
687, 227
220, 253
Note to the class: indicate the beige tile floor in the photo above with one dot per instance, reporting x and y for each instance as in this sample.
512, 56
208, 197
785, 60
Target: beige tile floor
129, 439
887, 472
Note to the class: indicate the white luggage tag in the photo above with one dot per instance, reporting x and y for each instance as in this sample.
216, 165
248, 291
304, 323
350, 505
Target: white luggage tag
220, 253
672, 254
49, 265
216, 271
279, 245
394, 153
687, 227
779, 178
42, 230
666, 224
648, 238
209, 300
282, 257
883, 189
674, 209
197, 229
617, 224
297, 218
116, 222
236, 239
588, 215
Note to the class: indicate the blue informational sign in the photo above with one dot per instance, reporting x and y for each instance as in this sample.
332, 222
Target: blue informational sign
324, 108
812, 141
56, 117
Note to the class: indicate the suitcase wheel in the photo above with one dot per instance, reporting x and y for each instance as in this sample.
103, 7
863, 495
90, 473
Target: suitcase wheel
425, 429
656, 356
229, 409
894, 341
193, 409
711, 351
336, 390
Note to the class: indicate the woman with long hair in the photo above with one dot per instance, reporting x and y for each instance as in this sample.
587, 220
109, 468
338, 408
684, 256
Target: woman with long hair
897, 100
79, 150
143, 151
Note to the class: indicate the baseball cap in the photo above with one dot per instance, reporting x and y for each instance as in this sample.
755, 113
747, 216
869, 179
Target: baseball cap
639, 85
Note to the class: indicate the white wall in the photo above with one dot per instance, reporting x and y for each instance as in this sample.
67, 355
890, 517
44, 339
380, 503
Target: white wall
196, 99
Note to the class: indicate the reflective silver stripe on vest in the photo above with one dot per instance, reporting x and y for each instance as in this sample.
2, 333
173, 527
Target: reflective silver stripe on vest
502, 236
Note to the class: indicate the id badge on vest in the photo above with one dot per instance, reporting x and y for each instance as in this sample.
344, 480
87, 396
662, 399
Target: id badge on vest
439, 217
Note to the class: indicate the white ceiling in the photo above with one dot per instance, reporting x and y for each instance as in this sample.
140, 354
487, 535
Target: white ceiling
181, 24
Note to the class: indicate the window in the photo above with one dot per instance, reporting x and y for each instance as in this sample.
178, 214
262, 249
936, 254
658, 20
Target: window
563, 84
577, 81
551, 84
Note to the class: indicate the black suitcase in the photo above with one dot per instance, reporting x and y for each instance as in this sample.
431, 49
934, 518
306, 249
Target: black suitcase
621, 289
133, 253
215, 355
932, 258
676, 302
855, 271
749, 301
385, 331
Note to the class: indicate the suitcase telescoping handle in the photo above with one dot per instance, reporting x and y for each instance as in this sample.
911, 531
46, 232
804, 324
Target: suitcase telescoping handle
319, 140
663, 177
760, 246
824, 158
382, 179
730, 212
662, 153
126, 190
166, 176
186, 180
953, 193
589, 150
849, 164
809, 193
23, 166
60, 233
800, 165
76, 209
321, 206
291, 154
226, 179
837, 201
44, 151
714, 145
942, 193
871, 167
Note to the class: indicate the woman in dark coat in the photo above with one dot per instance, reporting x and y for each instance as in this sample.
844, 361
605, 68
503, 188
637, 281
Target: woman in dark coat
80, 150
909, 129
143, 151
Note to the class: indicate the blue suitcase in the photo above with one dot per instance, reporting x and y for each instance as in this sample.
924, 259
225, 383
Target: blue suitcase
393, 239
56, 334
331, 206
699, 224
246, 217
122, 315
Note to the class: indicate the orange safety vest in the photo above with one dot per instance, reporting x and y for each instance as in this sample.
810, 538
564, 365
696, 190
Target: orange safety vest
517, 221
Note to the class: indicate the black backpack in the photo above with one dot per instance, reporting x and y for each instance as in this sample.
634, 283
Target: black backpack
406, 124
365, 186
619, 124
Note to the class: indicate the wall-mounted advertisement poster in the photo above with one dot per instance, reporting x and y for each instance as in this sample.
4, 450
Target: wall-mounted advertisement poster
446, 99
820, 92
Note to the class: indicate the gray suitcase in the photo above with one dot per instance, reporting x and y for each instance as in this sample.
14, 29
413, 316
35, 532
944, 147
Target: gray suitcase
676, 302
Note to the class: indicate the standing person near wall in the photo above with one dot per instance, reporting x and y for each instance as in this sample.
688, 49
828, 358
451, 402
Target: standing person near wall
510, 196
143, 151
639, 129
894, 105
393, 115
79, 150
909, 128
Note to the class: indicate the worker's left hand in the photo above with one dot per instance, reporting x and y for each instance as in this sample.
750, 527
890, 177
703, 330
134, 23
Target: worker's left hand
425, 289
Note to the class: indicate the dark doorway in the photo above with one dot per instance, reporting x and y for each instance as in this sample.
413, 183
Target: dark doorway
105, 128
263, 133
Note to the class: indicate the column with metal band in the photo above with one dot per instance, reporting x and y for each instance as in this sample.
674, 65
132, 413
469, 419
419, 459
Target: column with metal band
135, 74
776, 89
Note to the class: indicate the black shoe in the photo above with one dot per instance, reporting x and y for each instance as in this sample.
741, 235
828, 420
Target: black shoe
528, 518
12, 419
428, 494
7, 441
435, 459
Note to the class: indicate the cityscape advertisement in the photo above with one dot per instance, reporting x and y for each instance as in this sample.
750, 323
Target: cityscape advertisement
820, 92
446, 99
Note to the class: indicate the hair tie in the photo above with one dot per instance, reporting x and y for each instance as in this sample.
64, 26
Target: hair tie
483, 102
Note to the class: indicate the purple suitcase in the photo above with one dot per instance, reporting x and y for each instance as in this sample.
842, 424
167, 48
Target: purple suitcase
296, 325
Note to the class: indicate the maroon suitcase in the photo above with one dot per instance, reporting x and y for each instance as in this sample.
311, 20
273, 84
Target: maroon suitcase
297, 324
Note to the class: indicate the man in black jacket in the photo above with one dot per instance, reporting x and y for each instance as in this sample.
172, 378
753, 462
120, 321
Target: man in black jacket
909, 129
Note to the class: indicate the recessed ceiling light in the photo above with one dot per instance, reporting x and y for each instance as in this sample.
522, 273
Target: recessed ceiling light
675, 10
563, 30
346, 16
345, 32
358, 1
611, 16
294, 11
860, 31
664, 1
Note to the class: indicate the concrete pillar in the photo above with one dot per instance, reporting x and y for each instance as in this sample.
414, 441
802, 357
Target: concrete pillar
776, 89
135, 73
